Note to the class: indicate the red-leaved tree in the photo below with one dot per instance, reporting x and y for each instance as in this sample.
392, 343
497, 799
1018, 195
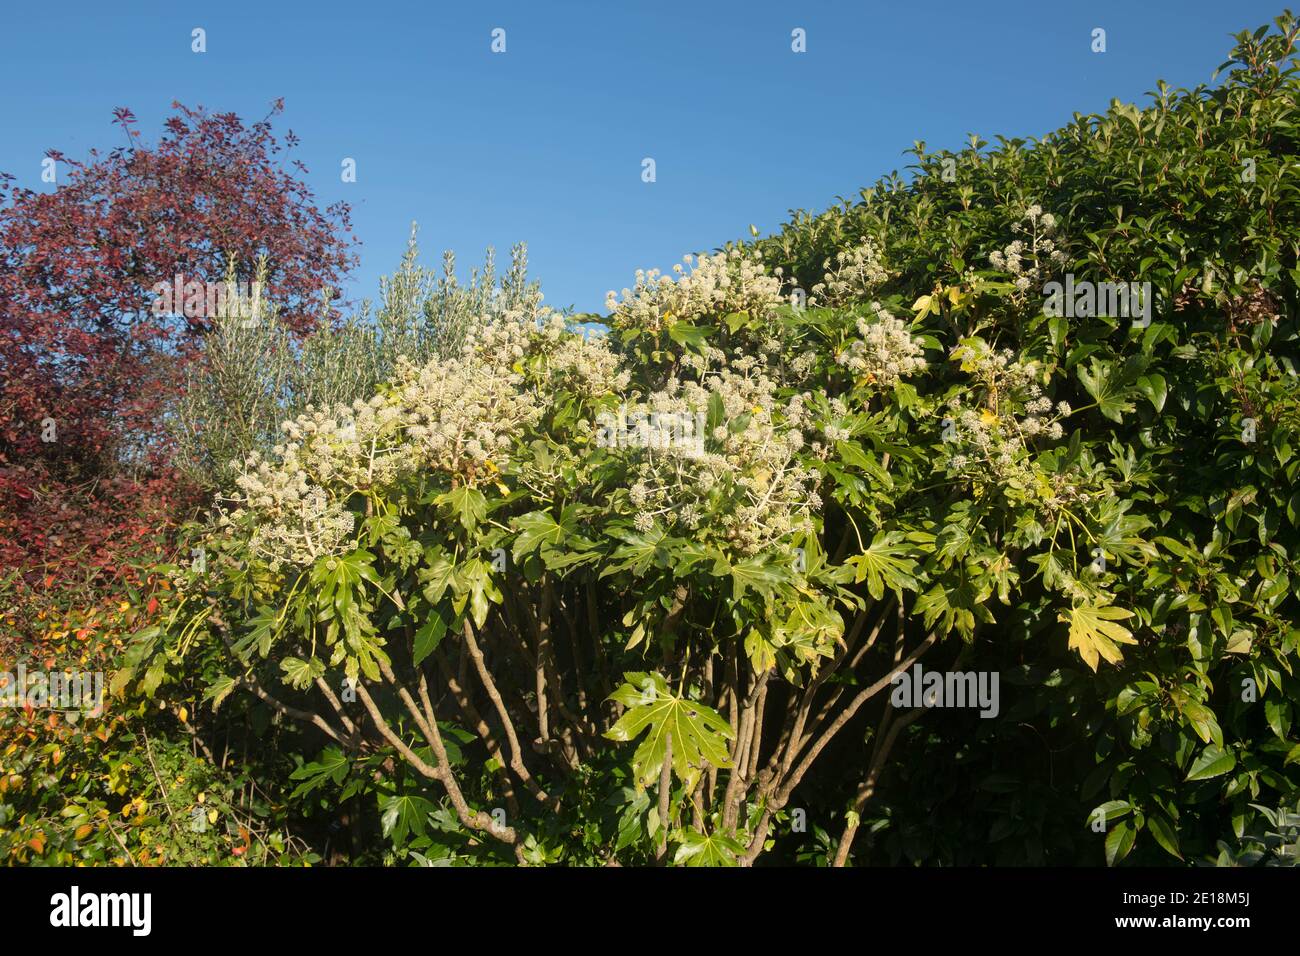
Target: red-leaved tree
86, 363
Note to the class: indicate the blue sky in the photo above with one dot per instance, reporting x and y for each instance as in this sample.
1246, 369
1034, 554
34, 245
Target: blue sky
544, 143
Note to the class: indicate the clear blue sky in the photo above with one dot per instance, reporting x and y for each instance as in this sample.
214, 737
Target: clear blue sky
544, 143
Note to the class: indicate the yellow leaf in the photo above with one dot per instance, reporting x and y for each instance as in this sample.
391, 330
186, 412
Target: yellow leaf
84, 831
212, 816
1094, 633
184, 714
987, 417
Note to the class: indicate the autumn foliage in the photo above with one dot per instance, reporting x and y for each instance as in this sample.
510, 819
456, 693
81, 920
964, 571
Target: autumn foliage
87, 368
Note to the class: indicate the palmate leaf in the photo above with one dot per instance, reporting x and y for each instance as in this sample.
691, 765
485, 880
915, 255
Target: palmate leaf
299, 673
712, 849
952, 606
331, 765
403, 814
881, 566
758, 573
465, 504
1094, 633
538, 528
699, 733
638, 553
1111, 385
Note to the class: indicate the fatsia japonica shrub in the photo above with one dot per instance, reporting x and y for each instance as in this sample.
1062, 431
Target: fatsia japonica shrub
649, 579
644, 597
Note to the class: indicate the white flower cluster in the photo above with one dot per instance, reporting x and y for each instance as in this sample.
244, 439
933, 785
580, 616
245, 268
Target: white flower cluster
1029, 261
717, 285
851, 276
998, 372
581, 364
748, 485
297, 522
990, 443
460, 417
886, 353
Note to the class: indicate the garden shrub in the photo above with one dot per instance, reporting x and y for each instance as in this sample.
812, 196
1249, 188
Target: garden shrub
542, 596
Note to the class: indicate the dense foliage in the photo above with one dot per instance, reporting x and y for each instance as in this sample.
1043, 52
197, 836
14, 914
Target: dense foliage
90, 364
526, 594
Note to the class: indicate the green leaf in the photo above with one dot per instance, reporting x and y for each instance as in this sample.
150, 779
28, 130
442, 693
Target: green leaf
219, 690
400, 815
1203, 722
1213, 762
638, 553
437, 574
1119, 841
717, 413
714, 849
466, 504
474, 579
536, 528
153, 677
1278, 714
699, 733
1108, 811
1105, 382
757, 572
331, 765
1153, 388
428, 637
693, 337
1165, 833
300, 674
881, 566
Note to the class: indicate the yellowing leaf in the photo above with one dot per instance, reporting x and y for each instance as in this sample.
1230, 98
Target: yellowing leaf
1094, 633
